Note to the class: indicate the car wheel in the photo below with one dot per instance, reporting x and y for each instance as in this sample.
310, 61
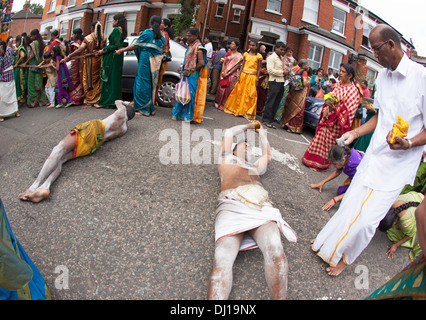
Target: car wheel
166, 92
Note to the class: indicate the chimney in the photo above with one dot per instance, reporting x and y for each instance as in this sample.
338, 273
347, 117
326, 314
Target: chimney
27, 6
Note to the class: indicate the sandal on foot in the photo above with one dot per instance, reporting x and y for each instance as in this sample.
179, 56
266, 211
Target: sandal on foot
270, 125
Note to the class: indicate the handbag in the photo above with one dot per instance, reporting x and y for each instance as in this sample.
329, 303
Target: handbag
182, 94
167, 56
296, 82
224, 82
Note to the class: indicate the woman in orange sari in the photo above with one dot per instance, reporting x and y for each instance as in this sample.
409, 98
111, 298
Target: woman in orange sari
243, 99
294, 108
76, 69
231, 68
336, 119
92, 43
195, 72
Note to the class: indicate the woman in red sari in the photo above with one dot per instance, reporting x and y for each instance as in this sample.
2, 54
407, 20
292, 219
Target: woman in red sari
76, 69
336, 119
54, 40
231, 68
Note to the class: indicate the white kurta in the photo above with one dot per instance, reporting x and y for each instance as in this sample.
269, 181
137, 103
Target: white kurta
383, 172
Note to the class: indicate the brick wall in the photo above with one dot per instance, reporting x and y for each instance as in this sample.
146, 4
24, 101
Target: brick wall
19, 26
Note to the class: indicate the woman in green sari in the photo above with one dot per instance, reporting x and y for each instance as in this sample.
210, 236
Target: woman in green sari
21, 74
112, 64
35, 78
400, 223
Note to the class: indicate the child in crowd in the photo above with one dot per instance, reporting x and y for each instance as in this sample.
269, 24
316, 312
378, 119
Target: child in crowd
344, 160
52, 76
288, 60
64, 83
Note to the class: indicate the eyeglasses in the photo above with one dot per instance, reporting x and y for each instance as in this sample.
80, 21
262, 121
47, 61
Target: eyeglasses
377, 49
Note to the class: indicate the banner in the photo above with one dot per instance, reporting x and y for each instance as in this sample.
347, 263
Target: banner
5, 17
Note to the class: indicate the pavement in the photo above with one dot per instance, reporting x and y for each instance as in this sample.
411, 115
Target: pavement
122, 224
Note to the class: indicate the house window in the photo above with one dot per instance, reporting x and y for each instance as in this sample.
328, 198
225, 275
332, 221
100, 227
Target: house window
365, 34
71, 3
219, 11
274, 5
52, 5
335, 61
315, 56
339, 19
237, 14
310, 11
76, 24
371, 77
64, 30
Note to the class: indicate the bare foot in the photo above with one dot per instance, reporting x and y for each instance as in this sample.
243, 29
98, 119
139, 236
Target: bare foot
86, 106
49, 107
17, 115
38, 195
97, 106
335, 271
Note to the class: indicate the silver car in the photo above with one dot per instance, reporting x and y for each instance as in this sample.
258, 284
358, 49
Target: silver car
171, 77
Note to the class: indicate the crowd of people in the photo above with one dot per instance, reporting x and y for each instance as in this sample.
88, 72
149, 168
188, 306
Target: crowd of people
250, 84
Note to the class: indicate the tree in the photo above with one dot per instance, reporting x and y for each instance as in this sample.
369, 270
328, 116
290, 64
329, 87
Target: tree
188, 13
36, 8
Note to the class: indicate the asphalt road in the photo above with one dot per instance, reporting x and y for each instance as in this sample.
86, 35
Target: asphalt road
122, 224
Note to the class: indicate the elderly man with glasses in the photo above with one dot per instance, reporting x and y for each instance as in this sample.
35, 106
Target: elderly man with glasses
386, 167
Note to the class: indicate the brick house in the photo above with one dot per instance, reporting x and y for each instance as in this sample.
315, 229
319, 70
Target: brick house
66, 15
24, 21
326, 32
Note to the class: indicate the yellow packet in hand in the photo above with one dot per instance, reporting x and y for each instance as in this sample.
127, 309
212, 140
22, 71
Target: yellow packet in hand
400, 128
329, 98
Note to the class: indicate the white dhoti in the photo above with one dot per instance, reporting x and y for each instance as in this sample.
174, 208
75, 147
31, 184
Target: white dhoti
352, 227
235, 215
8, 100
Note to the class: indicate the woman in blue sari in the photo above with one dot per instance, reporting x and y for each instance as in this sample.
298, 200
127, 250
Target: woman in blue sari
19, 277
149, 49
195, 72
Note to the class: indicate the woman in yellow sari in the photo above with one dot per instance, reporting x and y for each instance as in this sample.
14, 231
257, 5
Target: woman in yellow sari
243, 99
92, 43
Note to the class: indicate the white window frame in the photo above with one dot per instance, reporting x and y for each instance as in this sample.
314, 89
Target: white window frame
366, 35
62, 35
272, 6
337, 22
310, 11
73, 24
220, 6
371, 77
237, 16
71, 3
311, 60
52, 4
332, 60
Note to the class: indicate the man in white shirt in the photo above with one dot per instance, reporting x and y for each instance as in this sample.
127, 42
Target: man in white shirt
275, 67
386, 168
209, 52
